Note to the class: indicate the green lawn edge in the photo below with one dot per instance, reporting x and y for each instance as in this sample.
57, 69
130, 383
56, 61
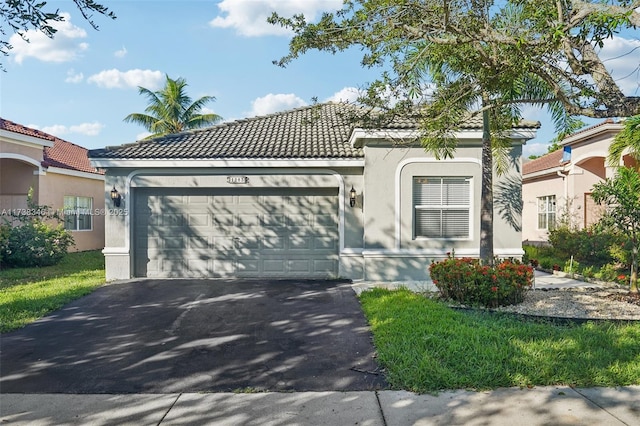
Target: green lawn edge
27, 294
425, 347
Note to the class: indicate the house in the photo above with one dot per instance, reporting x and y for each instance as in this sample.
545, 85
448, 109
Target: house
301, 193
61, 177
557, 186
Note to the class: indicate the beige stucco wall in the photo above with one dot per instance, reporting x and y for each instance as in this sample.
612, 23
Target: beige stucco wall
54, 186
570, 183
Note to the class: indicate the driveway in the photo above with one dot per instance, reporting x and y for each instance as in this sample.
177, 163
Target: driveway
156, 336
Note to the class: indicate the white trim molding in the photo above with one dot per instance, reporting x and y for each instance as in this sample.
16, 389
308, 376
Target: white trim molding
398, 196
25, 140
75, 173
24, 159
105, 163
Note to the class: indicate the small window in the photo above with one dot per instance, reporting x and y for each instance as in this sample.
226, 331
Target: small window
547, 212
442, 207
77, 213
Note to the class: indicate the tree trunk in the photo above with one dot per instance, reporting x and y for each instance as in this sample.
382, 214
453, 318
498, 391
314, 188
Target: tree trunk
486, 203
633, 279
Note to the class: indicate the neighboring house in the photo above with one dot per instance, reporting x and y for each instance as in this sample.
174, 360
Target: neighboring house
61, 177
557, 186
302, 193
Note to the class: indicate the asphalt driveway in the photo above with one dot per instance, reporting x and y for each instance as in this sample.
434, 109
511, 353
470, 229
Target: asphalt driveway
156, 336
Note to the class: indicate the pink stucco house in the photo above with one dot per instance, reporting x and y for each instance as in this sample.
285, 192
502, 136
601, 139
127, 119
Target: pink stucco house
61, 177
557, 186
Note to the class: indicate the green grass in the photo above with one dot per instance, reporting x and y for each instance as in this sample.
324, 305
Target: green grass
426, 346
27, 294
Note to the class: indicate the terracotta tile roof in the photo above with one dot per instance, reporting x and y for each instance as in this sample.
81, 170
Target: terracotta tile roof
547, 161
62, 154
10, 126
313, 132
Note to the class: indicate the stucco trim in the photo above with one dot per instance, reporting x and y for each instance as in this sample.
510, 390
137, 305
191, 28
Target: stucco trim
75, 173
248, 163
126, 250
588, 156
20, 139
427, 253
581, 136
398, 198
24, 158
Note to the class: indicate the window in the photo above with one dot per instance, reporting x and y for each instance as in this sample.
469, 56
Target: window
547, 212
442, 207
77, 213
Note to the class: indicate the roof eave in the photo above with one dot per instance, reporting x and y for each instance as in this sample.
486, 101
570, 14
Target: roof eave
107, 163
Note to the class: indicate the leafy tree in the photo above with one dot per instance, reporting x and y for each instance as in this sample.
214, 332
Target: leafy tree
170, 110
20, 16
446, 61
628, 138
622, 197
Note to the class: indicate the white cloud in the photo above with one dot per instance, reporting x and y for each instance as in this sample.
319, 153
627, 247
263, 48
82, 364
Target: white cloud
72, 77
274, 103
534, 149
120, 53
348, 94
65, 45
622, 59
249, 17
116, 79
142, 135
59, 130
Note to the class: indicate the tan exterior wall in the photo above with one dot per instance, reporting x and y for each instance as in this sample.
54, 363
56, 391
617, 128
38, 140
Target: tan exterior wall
571, 183
54, 187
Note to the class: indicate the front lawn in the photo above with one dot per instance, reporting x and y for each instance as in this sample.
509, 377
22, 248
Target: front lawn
27, 294
426, 346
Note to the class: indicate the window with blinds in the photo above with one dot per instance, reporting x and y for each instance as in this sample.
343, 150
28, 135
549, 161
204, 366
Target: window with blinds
77, 213
442, 207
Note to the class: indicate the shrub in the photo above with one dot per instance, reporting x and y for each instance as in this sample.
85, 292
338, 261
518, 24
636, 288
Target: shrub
35, 243
467, 281
588, 246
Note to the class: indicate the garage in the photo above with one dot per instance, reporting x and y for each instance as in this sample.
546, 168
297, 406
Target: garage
236, 232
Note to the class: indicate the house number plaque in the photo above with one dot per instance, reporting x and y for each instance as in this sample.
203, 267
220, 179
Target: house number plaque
238, 179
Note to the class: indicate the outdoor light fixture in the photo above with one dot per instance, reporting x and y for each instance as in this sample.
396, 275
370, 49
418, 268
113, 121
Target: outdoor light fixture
115, 196
352, 197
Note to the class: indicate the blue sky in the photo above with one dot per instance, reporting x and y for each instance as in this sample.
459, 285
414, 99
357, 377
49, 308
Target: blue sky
80, 85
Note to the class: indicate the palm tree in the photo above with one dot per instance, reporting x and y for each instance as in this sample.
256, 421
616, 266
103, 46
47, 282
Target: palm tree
629, 138
170, 110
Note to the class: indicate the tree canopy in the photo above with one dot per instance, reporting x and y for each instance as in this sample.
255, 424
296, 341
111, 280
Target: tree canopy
554, 43
628, 140
20, 16
171, 110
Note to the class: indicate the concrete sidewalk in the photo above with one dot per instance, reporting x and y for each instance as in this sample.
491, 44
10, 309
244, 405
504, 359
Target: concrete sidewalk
510, 406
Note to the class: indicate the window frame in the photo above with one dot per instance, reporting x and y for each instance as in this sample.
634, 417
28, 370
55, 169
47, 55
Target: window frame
77, 216
442, 207
547, 213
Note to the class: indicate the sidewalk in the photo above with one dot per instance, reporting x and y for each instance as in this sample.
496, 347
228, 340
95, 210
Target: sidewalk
512, 406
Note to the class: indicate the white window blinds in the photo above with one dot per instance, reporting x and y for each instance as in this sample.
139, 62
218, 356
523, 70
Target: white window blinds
442, 207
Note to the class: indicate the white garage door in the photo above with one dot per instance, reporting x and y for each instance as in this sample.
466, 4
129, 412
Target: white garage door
266, 232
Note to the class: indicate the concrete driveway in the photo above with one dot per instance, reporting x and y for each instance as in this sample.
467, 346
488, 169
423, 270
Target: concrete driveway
158, 336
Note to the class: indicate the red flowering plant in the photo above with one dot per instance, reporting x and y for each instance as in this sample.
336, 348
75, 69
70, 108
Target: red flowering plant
467, 281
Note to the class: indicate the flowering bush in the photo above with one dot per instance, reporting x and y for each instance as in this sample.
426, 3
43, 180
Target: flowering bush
33, 242
467, 281
36, 244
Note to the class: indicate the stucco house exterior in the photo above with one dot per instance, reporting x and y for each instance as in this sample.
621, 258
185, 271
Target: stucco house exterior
557, 186
301, 193
61, 177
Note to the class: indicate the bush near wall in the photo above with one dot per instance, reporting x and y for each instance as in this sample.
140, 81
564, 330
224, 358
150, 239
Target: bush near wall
39, 239
467, 281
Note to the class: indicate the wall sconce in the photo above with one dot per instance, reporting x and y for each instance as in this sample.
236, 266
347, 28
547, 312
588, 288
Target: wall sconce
115, 196
352, 197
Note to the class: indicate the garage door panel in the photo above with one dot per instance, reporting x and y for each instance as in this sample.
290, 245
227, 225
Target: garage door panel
222, 233
199, 219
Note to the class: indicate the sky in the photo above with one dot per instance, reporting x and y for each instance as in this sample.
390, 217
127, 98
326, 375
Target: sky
81, 84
